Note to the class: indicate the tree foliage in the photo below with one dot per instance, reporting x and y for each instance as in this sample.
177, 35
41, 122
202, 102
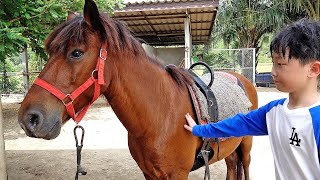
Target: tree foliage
242, 23
309, 8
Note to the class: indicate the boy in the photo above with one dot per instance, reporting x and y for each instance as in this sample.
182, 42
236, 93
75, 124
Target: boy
293, 124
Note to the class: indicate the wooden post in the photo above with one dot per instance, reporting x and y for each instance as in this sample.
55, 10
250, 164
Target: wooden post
3, 169
24, 57
188, 41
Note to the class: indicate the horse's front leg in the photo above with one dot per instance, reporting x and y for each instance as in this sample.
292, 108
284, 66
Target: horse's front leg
154, 164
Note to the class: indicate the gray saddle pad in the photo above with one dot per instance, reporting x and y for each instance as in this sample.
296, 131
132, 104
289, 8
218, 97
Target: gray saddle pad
231, 98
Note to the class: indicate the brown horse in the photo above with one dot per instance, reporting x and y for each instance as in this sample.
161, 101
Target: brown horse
149, 101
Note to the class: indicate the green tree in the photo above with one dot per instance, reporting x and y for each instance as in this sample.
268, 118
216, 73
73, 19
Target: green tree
309, 8
243, 23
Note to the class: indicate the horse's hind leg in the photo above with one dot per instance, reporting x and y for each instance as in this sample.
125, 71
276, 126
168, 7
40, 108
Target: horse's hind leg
231, 162
245, 146
238, 162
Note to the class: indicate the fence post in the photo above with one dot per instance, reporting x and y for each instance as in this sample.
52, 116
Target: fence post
24, 58
3, 168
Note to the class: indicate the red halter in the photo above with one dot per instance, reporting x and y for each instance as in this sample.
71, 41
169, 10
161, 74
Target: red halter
72, 96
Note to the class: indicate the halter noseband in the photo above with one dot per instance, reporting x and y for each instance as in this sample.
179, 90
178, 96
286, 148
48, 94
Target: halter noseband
77, 117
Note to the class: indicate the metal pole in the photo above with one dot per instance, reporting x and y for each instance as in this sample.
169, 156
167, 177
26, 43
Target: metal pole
188, 41
254, 66
3, 169
24, 57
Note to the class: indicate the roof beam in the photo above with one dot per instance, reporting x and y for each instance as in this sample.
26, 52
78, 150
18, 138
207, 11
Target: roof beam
175, 41
166, 43
158, 16
168, 23
150, 24
165, 33
160, 5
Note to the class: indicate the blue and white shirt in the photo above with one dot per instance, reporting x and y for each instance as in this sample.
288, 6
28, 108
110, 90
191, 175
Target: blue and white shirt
294, 136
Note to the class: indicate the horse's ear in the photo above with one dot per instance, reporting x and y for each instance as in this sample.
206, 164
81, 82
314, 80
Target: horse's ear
92, 16
72, 15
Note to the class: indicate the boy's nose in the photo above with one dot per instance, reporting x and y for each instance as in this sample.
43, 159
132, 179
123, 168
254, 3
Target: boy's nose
273, 72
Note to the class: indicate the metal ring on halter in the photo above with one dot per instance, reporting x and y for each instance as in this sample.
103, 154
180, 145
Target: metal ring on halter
92, 74
67, 96
101, 55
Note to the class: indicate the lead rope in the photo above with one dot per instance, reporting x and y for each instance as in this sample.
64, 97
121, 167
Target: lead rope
205, 155
79, 148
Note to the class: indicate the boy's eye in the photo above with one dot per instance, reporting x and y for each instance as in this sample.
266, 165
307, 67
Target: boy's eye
282, 64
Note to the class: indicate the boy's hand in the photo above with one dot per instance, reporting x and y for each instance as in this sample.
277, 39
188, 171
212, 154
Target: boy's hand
190, 124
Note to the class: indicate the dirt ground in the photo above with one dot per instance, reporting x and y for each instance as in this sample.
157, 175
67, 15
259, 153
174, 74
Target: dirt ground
105, 153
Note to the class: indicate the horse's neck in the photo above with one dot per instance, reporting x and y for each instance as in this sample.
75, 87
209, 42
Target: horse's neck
140, 93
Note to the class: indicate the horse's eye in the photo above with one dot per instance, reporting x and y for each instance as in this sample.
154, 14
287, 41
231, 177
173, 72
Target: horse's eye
76, 54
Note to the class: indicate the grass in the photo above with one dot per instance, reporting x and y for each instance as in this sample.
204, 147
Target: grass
264, 67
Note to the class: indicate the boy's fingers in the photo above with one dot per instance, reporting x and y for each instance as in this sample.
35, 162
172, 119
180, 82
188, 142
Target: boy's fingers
187, 128
190, 121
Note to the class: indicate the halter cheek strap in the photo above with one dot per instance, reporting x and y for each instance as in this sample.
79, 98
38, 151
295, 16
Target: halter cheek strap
67, 99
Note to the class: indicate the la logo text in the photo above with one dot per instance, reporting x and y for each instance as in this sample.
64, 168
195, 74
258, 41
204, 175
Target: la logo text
294, 140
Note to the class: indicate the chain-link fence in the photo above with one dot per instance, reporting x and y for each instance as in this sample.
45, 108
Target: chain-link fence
238, 60
12, 82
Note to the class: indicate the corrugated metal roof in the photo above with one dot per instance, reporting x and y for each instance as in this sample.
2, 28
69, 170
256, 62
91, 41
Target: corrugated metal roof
161, 22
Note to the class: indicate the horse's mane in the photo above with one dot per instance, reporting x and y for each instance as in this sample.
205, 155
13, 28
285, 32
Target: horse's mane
180, 75
117, 38
76, 30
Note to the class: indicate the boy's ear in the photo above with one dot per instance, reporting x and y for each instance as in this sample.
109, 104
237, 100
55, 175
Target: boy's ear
315, 69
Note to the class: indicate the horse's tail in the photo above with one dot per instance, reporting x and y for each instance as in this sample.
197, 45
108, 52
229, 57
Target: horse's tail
239, 163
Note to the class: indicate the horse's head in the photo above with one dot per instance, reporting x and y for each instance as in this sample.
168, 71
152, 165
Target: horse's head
74, 51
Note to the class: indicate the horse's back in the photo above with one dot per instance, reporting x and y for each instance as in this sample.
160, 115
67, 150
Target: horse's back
249, 88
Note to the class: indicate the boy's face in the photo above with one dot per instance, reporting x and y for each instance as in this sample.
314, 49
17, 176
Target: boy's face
289, 75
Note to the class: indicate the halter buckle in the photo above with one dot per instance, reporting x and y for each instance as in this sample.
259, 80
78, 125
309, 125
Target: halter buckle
67, 96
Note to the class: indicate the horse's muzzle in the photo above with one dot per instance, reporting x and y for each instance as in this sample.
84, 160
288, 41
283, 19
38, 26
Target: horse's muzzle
34, 123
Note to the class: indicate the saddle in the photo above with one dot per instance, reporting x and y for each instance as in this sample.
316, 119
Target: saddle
206, 152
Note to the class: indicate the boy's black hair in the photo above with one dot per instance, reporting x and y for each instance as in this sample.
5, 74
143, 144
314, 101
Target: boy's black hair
302, 38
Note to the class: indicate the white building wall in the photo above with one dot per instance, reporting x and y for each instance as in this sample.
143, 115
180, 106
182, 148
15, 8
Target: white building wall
170, 55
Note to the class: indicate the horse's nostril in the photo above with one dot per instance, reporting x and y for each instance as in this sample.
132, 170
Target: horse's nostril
34, 120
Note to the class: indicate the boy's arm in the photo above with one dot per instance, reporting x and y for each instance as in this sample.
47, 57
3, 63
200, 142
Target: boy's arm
253, 123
